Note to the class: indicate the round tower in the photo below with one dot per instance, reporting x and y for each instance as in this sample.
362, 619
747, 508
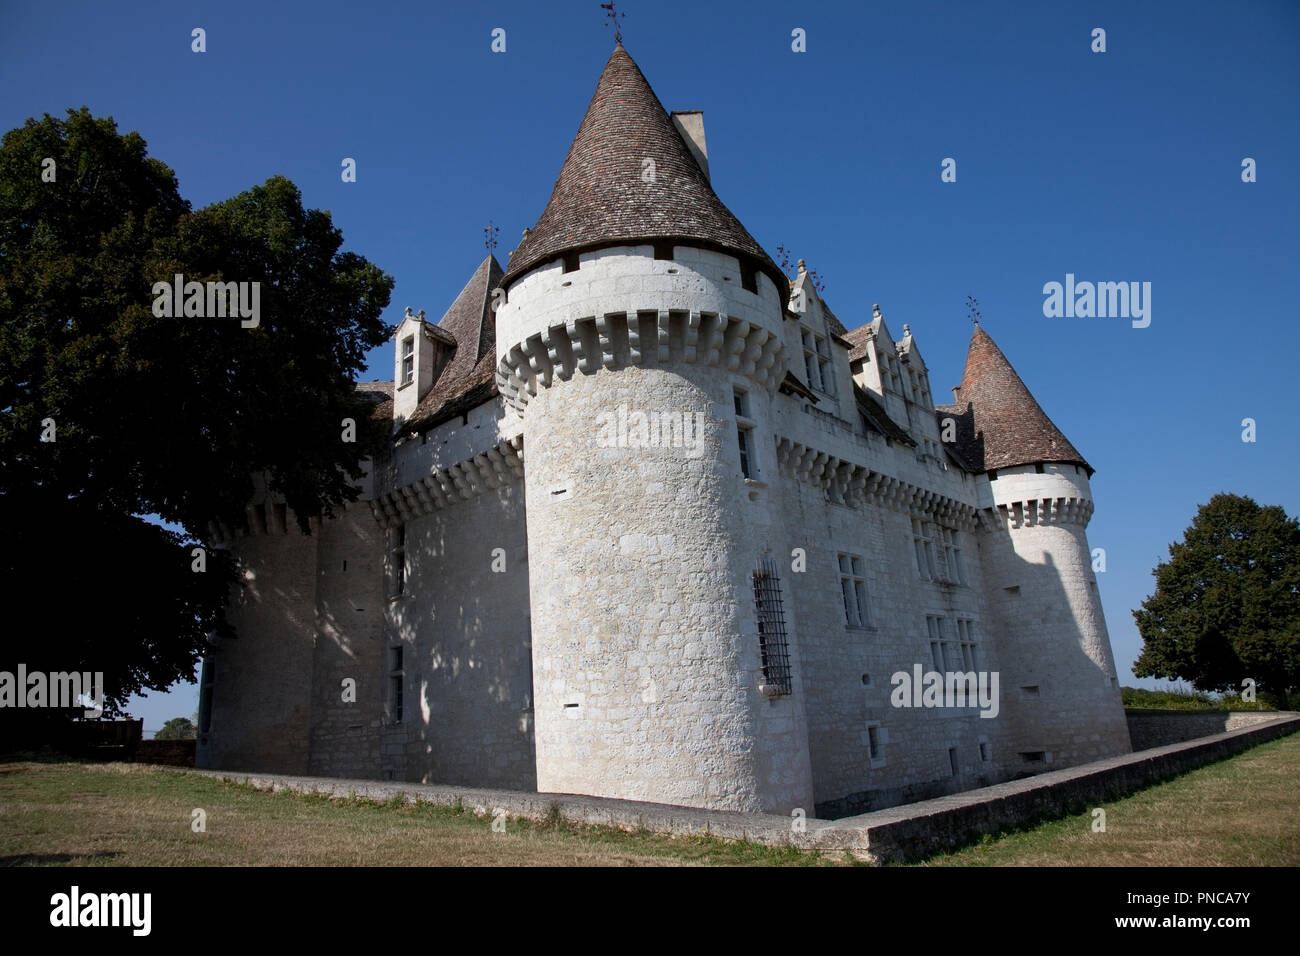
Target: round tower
640, 340
1059, 686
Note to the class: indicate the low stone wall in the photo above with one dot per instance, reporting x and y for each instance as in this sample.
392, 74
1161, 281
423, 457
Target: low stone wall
1159, 728
899, 833
174, 753
920, 829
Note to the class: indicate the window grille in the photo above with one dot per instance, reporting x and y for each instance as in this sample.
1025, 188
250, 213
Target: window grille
773, 644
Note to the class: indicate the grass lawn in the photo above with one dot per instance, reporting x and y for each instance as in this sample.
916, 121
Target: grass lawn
118, 814
1244, 811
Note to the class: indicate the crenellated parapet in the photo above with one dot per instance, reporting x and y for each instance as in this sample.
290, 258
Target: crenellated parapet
855, 485
264, 519
621, 339
494, 468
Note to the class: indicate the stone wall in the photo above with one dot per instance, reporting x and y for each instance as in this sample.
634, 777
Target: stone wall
1158, 728
171, 753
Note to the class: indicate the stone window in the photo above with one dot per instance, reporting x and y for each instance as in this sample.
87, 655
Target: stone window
396, 681
744, 434
853, 587
951, 568
875, 745
817, 360
923, 544
966, 640
408, 360
207, 681
398, 561
947, 654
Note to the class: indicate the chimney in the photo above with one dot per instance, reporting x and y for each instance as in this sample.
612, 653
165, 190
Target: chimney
690, 123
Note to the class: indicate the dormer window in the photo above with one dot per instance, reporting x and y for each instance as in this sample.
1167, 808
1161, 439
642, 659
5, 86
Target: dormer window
408, 360
817, 360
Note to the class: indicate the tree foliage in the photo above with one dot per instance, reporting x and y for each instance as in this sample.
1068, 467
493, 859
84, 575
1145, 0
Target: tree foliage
1227, 602
178, 728
158, 416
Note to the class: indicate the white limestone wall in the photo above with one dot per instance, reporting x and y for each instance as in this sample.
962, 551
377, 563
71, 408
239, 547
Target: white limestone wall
630, 279
349, 645
261, 696
877, 526
454, 441
646, 661
848, 669
646, 654
464, 623
1059, 675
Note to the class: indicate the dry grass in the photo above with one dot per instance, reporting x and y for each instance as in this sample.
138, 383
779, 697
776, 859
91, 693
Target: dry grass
76, 814
1244, 811
1239, 812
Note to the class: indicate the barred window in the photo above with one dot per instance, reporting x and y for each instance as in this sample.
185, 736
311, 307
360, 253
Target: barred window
773, 645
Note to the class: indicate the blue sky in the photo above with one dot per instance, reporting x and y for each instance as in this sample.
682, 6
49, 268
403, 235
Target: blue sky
1115, 166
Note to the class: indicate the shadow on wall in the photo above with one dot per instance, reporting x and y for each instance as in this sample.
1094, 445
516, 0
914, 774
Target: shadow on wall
465, 629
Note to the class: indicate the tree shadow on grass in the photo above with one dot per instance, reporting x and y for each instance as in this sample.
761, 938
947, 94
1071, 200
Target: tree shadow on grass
51, 859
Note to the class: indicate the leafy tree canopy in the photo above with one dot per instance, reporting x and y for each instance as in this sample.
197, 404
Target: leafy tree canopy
178, 728
168, 416
1227, 602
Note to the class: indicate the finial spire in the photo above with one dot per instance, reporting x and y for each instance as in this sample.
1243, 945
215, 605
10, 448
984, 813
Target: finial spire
974, 310
490, 237
613, 18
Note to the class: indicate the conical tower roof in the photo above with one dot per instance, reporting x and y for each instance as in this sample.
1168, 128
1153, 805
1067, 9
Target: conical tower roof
604, 195
1008, 426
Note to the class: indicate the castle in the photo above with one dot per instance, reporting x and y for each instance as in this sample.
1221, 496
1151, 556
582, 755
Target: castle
654, 525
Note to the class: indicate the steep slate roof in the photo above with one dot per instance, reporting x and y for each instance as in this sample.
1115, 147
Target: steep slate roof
469, 378
999, 424
600, 199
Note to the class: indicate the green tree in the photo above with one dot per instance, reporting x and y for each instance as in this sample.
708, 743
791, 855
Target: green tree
178, 728
158, 416
1227, 602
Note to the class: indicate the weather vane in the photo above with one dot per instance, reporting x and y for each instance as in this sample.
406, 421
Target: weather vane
490, 236
974, 307
613, 18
